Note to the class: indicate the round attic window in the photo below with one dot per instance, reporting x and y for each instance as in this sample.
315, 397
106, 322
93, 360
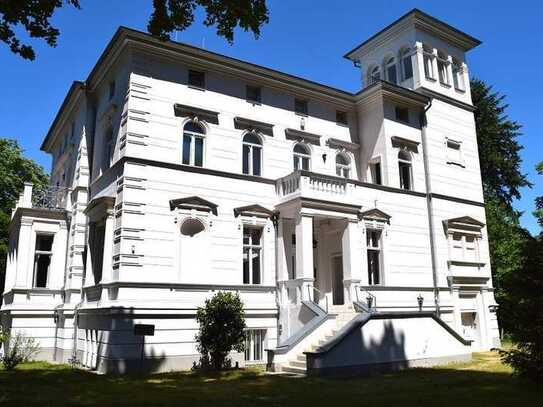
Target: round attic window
191, 227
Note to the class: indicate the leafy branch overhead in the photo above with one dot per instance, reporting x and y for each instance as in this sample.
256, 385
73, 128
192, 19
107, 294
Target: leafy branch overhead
226, 15
167, 16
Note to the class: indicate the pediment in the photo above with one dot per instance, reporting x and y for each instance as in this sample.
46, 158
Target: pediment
375, 214
463, 222
194, 202
253, 210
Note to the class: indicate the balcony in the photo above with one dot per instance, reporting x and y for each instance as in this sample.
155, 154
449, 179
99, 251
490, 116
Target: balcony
308, 182
50, 198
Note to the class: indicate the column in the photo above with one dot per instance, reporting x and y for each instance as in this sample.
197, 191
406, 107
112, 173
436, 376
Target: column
352, 259
25, 258
107, 260
281, 262
418, 66
304, 254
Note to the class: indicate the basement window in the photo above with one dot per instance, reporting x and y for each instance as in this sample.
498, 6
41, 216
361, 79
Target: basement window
42, 260
254, 345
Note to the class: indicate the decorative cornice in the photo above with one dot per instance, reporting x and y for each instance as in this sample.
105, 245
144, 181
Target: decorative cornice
375, 214
194, 202
196, 112
298, 135
411, 145
341, 144
242, 123
253, 210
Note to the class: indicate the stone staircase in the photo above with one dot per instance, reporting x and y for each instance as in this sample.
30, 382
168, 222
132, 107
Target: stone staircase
298, 363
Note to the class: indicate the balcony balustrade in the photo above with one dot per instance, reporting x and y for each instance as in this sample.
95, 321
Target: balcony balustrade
50, 197
305, 182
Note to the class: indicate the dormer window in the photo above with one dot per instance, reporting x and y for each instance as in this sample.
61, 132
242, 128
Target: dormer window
193, 144
390, 69
442, 63
406, 63
197, 79
254, 94
300, 107
301, 157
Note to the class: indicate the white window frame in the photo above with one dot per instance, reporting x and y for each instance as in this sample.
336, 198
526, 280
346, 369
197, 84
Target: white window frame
374, 75
251, 147
372, 170
300, 157
42, 253
410, 162
252, 348
450, 158
458, 76
464, 246
378, 249
193, 136
443, 69
343, 170
250, 247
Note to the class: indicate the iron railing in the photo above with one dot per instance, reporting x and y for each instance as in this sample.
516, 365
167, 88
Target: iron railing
311, 297
54, 198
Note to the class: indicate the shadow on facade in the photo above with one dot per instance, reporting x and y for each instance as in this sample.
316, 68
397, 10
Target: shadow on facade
108, 343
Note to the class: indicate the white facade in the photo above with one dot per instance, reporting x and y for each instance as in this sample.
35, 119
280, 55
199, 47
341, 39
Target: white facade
182, 172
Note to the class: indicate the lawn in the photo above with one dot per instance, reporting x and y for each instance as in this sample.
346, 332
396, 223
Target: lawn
485, 381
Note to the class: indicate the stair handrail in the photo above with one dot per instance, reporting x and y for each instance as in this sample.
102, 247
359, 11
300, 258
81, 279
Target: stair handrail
312, 298
371, 299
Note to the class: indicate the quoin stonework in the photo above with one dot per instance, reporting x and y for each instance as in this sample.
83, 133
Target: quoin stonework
352, 225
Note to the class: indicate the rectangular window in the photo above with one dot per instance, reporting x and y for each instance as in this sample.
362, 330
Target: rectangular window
42, 259
197, 79
300, 107
405, 174
454, 152
428, 65
254, 345
464, 247
252, 255
254, 94
402, 114
375, 171
341, 117
186, 149
458, 77
373, 243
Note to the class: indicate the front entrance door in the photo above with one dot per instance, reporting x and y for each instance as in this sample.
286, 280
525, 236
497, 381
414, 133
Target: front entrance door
337, 280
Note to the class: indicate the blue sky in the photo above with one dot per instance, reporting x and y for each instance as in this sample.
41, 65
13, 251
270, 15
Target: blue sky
305, 38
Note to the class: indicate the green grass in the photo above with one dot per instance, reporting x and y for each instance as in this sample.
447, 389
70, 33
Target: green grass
483, 382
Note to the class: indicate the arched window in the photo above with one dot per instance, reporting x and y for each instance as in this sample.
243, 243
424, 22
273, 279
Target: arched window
193, 144
109, 146
252, 154
428, 57
407, 65
343, 166
302, 157
458, 74
390, 69
442, 63
374, 75
404, 165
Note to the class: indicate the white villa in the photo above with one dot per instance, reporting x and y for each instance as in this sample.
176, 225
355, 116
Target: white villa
352, 225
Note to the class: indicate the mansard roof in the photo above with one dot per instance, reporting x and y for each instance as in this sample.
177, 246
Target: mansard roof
375, 214
426, 22
194, 202
253, 210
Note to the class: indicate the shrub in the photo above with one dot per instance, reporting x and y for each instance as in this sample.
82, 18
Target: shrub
222, 325
18, 349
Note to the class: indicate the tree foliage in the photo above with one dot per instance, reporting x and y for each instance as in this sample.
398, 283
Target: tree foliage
222, 325
499, 150
34, 16
226, 15
538, 213
17, 348
15, 170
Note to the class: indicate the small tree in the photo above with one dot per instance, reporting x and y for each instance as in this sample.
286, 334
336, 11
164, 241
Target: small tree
222, 325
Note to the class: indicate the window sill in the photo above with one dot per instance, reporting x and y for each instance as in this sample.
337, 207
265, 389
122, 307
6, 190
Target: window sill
342, 124
254, 102
459, 90
429, 78
196, 88
466, 263
458, 164
445, 85
301, 114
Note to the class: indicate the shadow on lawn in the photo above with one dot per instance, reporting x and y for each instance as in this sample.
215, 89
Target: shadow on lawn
476, 384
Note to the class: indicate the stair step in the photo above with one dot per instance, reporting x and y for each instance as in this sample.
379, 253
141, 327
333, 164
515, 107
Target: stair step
297, 363
292, 369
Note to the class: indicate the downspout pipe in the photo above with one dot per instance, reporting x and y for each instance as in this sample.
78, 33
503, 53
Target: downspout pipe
429, 205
